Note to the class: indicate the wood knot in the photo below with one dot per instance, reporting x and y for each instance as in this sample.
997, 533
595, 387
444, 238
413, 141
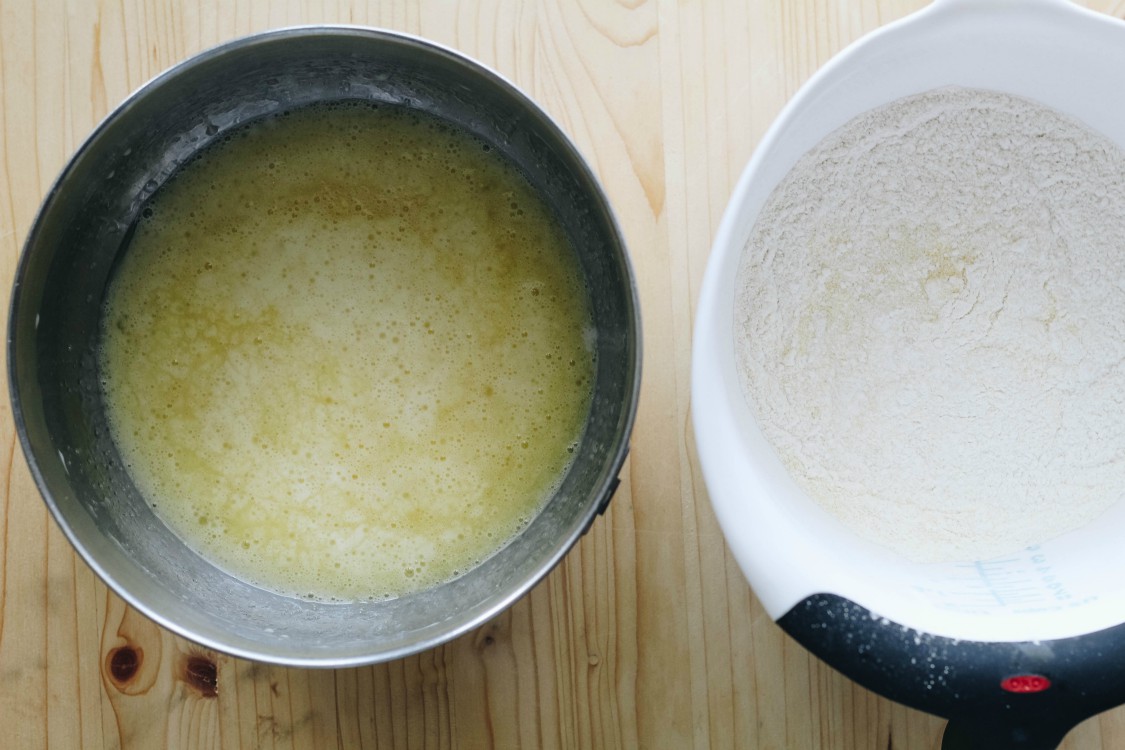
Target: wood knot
122, 665
492, 634
201, 673
485, 638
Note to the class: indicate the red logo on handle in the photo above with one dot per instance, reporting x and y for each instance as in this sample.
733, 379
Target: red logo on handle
1025, 683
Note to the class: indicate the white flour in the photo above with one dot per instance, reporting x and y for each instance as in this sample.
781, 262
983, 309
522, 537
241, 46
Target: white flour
930, 324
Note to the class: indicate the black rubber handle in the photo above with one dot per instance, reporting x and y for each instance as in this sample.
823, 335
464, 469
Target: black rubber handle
998, 695
980, 733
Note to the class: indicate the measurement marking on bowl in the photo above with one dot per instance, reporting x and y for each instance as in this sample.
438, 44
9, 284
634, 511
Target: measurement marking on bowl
1006, 583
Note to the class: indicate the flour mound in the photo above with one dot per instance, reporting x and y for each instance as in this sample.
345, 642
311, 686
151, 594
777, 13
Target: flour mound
930, 324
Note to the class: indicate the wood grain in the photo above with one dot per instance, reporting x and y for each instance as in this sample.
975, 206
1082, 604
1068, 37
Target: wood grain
647, 635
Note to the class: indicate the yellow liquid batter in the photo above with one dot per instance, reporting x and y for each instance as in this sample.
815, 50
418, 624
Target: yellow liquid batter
348, 353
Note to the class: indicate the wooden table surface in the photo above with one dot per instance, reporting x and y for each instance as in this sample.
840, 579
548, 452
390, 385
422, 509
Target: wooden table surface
647, 635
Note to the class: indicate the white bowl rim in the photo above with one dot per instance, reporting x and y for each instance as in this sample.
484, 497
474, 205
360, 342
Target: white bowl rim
789, 555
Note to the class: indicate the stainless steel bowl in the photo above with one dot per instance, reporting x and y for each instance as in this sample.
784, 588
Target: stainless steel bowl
85, 222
